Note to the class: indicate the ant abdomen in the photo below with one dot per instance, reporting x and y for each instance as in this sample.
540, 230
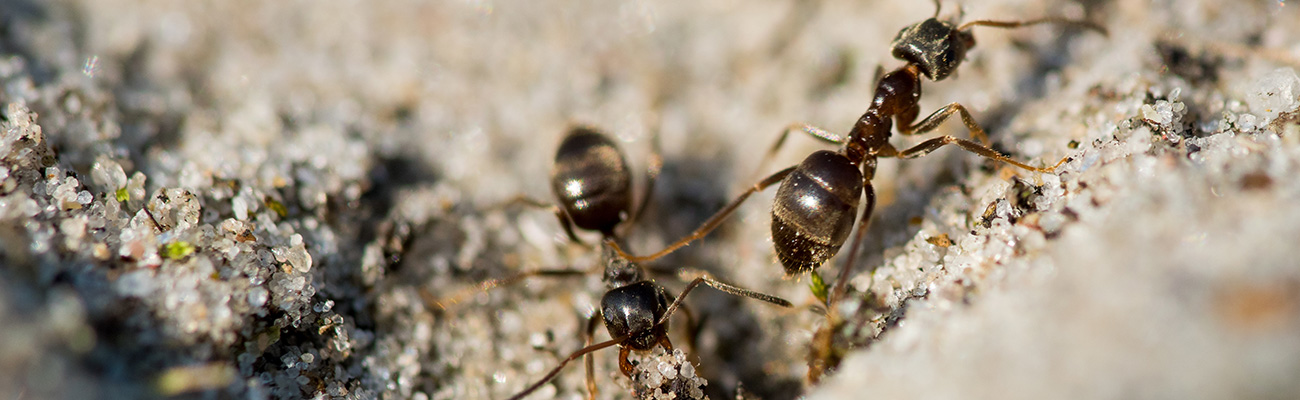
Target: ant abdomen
592, 180
814, 210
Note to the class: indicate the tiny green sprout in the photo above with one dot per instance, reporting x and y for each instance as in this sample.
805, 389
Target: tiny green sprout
122, 195
177, 250
818, 286
268, 338
277, 207
194, 378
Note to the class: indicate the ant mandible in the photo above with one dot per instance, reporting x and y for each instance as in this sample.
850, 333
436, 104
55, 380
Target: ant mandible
592, 183
817, 201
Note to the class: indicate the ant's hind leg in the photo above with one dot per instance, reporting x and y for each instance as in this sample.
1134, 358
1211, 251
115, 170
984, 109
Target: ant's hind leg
525, 201
841, 282
823, 355
567, 223
933, 121
692, 329
717, 218
710, 224
655, 164
933, 144
815, 132
591, 368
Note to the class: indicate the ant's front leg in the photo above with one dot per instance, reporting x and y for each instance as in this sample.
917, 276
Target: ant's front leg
938, 117
934, 144
623, 363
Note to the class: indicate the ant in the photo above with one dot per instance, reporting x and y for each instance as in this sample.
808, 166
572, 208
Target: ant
817, 201
592, 183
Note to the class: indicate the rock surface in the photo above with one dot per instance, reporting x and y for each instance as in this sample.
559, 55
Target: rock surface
266, 199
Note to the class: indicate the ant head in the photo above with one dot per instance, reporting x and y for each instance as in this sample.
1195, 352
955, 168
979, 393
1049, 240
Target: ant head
634, 311
936, 47
592, 181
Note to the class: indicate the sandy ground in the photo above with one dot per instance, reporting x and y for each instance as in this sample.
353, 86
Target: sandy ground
259, 199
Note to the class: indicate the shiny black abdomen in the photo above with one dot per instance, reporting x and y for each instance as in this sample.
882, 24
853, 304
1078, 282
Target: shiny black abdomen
633, 310
592, 181
814, 211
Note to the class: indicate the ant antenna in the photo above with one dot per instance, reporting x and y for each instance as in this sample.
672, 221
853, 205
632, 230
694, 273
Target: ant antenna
735, 290
1045, 20
938, 5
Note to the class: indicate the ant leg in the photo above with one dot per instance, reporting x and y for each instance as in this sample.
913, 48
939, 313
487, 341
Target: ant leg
579, 353
1046, 20
815, 132
567, 223
591, 368
691, 327
445, 302
656, 164
667, 344
930, 145
822, 352
735, 290
842, 280
522, 200
623, 364
938, 117
712, 223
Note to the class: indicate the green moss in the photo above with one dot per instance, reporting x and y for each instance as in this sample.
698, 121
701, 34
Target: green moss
818, 287
277, 207
177, 250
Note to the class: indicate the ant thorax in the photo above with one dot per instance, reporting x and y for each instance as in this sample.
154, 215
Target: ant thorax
618, 270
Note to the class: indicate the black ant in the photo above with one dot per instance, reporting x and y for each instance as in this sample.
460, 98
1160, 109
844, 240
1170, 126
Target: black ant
815, 205
592, 183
